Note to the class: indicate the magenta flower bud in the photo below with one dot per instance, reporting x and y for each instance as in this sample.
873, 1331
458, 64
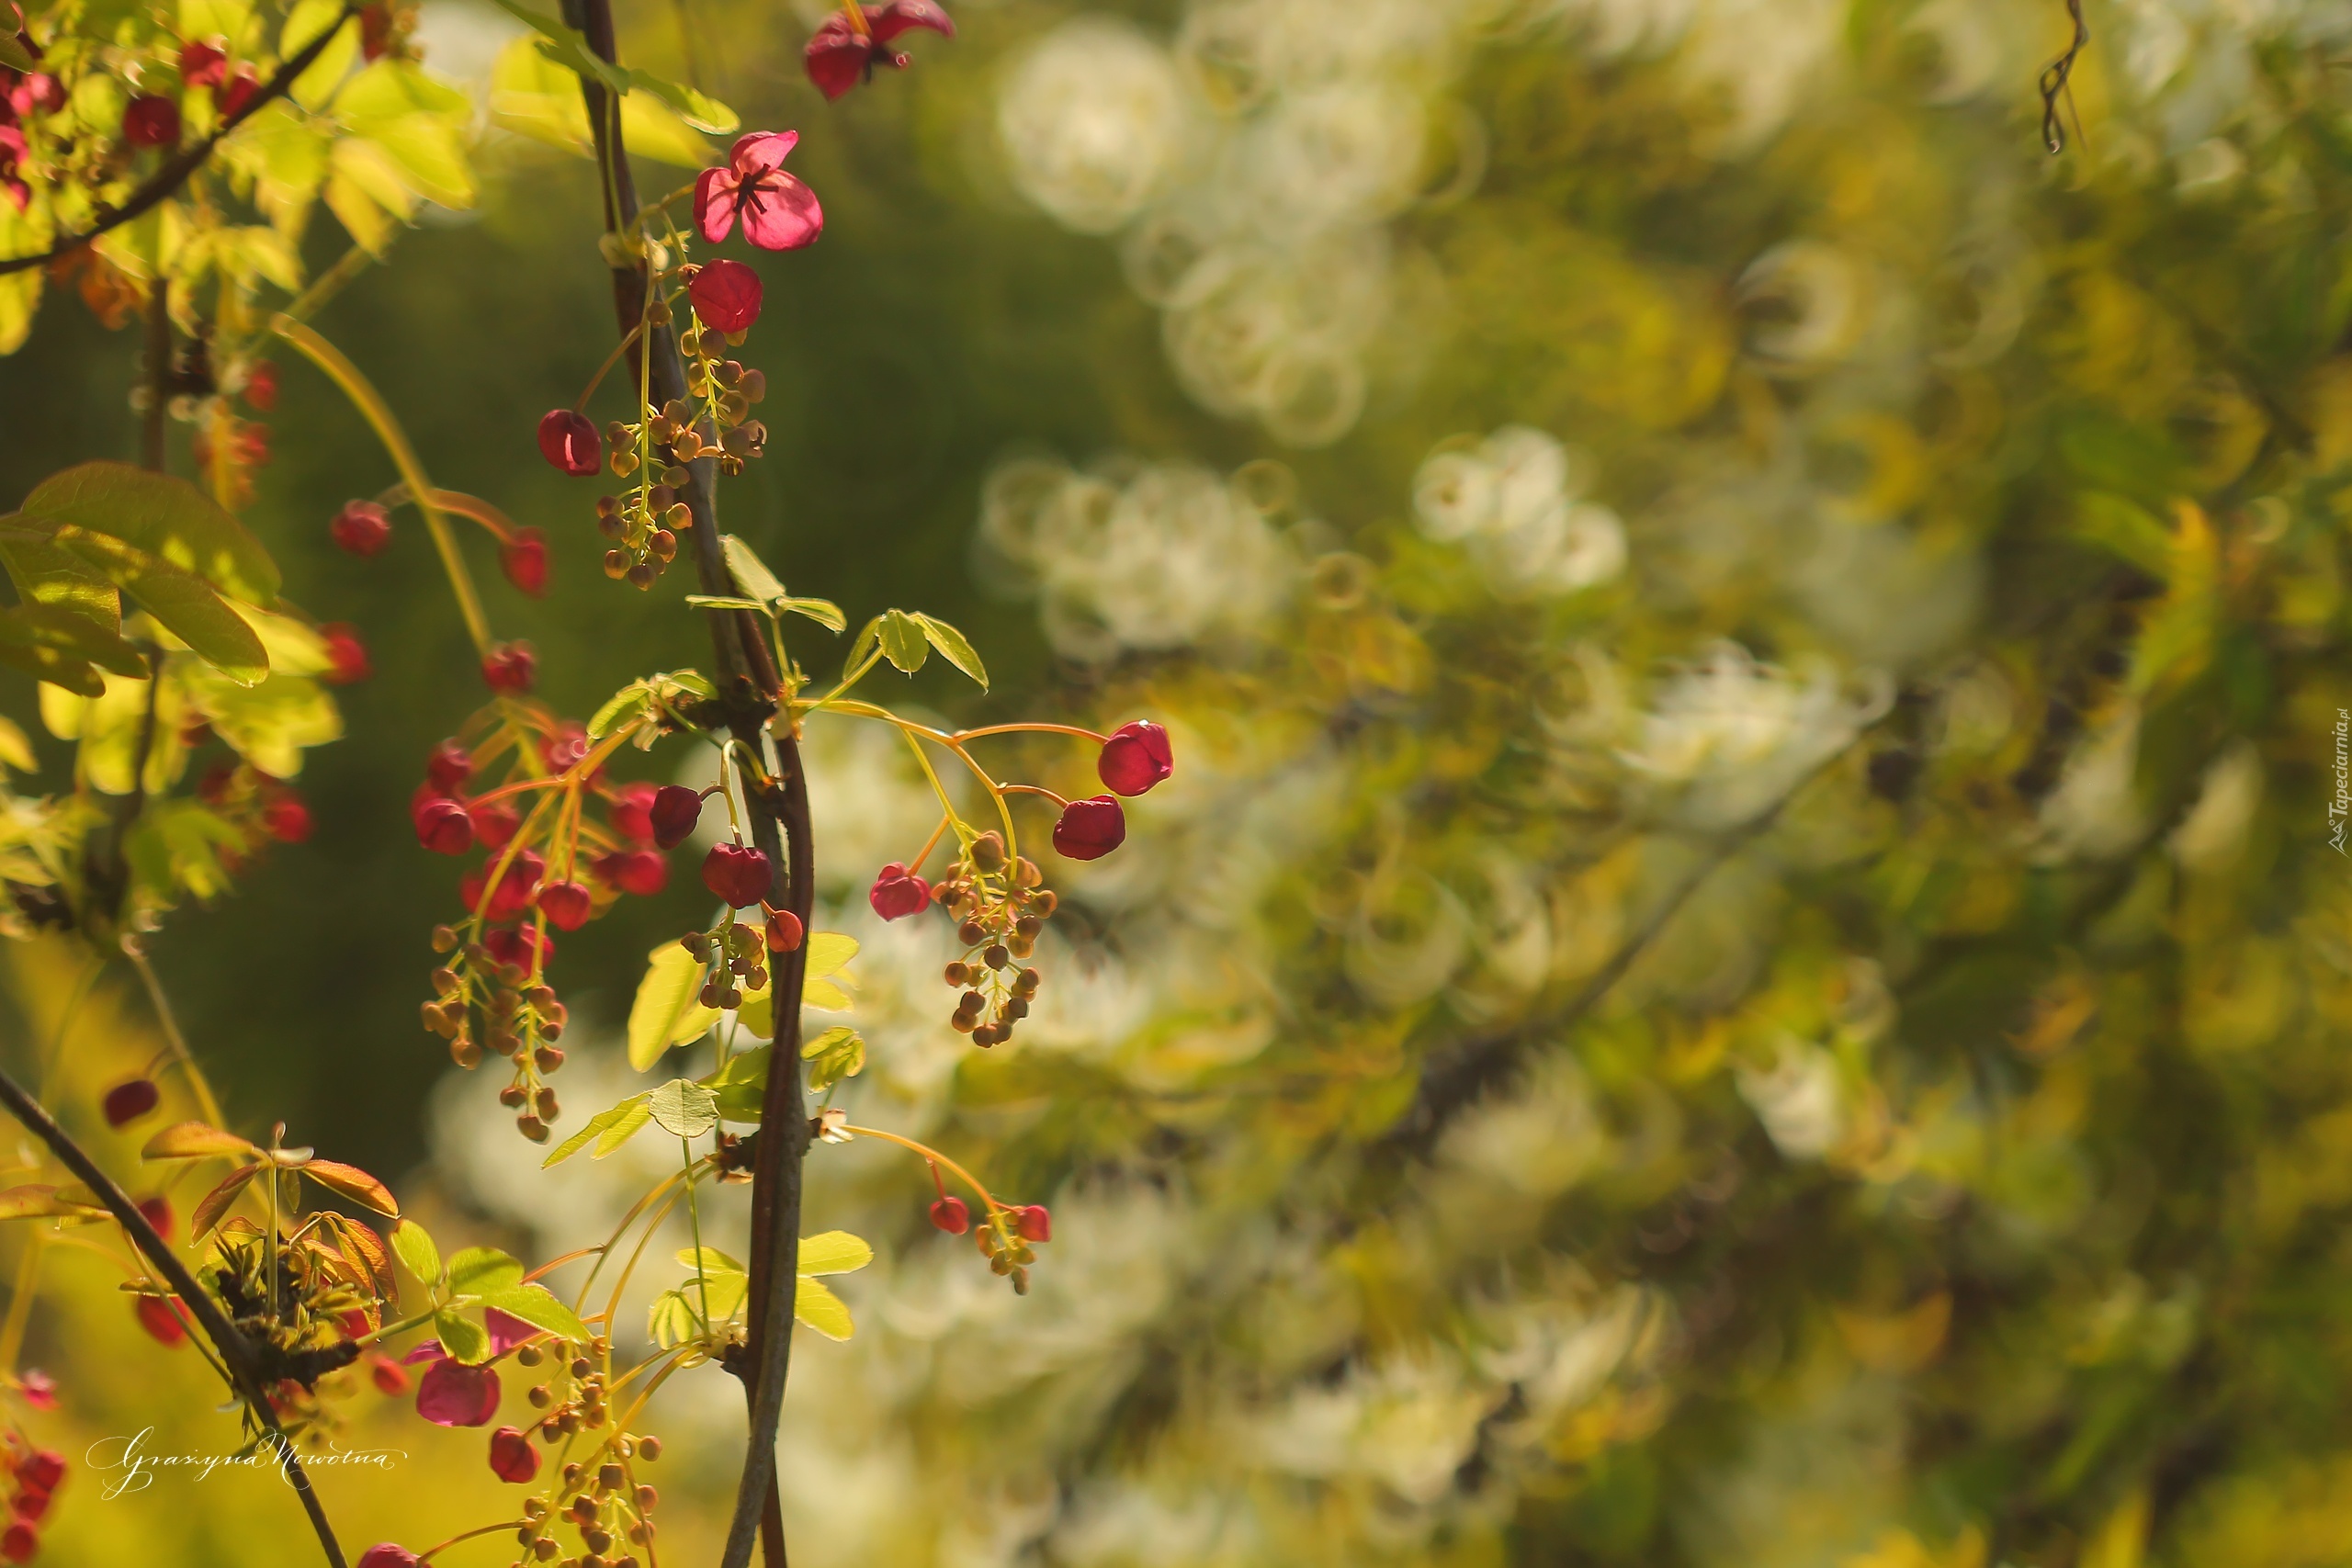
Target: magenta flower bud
449, 766
510, 667
384, 1554
286, 816
737, 873
640, 872
444, 827
675, 810
202, 66
726, 296
1033, 1223
1091, 828
127, 1102
631, 812
896, 894
494, 825
569, 441
518, 945
451, 1393
151, 121
950, 1215
566, 904
524, 559
517, 885
362, 529
511, 1457
44, 1470
1136, 757
347, 660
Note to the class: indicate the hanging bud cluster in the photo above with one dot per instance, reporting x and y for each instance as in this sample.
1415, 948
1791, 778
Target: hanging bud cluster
1006, 1238
999, 906
602, 1504
33, 1477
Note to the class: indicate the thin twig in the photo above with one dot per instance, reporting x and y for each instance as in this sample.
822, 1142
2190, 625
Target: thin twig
2058, 80
177, 170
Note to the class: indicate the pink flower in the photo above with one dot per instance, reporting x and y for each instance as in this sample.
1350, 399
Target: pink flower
510, 667
726, 295
449, 766
511, 1457
1136, 757
897, 894
444, 826
346, 656
1033, 1223
511, 944
571, 443
566, 904
779, 213
1091, 828
384, 1554
841, 53
675, 810
517, 885
202, 66
454, 1394
950, 1215
738, 874
361, 528
40, 1393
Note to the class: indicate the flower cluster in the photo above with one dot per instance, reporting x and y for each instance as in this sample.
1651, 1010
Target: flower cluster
34, 1474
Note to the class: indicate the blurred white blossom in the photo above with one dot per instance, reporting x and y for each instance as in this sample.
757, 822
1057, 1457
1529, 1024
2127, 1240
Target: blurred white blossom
1513, 502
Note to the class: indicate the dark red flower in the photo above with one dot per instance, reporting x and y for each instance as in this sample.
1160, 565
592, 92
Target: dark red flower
40, 1393
389, 1375
511, 1457
45, 1469
524, 559
896, 894
640, 872
454, 1394
726, 296
444, 826
738, 874
362, 528
286, 816
514, 944
375, 32
234, 94
494, 825
568, 746
675, 810
448, 768
566, 904
1136, 757
839, 55
158, 1319
569, 441
151, 121
127, 1102
202, 66
1091, 828
158, 1213
779, 213
29, 1506
517, 885
19, 1543
261, 386
510, 667
384, 1554
1033, 1223
631, 812
950, 1215
346, 656
784, 931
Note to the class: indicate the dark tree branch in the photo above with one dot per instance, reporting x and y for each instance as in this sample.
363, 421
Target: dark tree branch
236, 1352
176, 169
749, 687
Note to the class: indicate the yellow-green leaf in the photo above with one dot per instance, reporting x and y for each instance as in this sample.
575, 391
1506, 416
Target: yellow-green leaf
194, 1140
815, 1305
833, 1252
667, 1011
416, 1251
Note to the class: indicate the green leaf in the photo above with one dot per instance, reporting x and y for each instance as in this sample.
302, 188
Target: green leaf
683, 1108
710, 1261
723, 602
538, 1307
903, 643
741, 1085
815, 1305
47, 573
954, 647
16, 750
185, 605
868, 636
65, 648
168, 518
750, 572
307, 21
833, 1252
825, 981
603, 1122
466, 1340
700, 110
567, 46
416, 1252
13, 56
478, 1271
838, 1052
532, 95
757, 1015
824, 612
627, 703
667, 1011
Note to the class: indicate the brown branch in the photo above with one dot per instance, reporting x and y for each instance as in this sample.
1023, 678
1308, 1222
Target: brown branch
2058, 82
176, 171
749, 688
236, 1352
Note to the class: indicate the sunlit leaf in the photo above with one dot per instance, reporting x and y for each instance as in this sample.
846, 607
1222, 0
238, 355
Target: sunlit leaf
166, 516
631, 1111
954, 648
478, 1271
667, 1011
353, 1183
833, 1252
194, 1140
417, 1254
683, 1108
465, 1340
814, 1304
540, 1308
